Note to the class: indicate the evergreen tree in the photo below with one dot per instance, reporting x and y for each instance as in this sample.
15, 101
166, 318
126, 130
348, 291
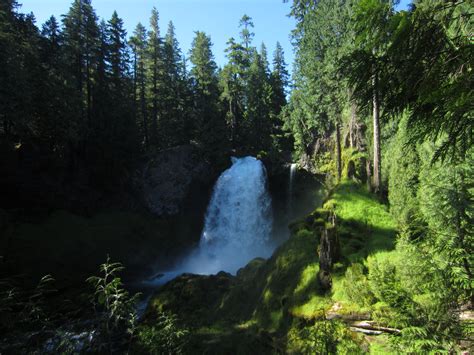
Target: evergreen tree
118, 54
323, 36
81, 35
232, 84
279, 80
259, 92
155, 73
209, 125
18, 59
53, 96
245, 34
173, 120
123, 140
138, 43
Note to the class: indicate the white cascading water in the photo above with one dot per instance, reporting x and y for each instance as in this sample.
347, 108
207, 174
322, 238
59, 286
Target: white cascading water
239, 219
238, 223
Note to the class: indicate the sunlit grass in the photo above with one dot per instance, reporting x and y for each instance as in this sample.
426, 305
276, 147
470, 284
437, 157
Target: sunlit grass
315, 308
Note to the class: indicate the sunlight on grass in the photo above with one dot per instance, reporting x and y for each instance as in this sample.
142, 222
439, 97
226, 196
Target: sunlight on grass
307, 277
314, 308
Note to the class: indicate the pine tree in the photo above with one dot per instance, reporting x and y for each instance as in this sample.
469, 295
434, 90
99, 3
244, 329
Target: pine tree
81, 40
232, 83
209, 125
155, 73
118, 54
172, 125
53, 96
245, 34
18, 66
323, 33
366, 69
138, 43
257, 114
123, 144
279, 80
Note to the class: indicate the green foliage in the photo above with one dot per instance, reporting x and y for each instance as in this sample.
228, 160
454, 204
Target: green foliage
322, 35
356, 158
435, 87
356, 286
163, 337
117, 309
23, 308
403, 182
324, 337
413, 295
209, 126
446, 203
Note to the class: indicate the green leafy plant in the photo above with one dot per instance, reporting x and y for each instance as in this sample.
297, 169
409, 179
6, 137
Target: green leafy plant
116, 308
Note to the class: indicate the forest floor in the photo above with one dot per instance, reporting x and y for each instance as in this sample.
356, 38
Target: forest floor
276, 305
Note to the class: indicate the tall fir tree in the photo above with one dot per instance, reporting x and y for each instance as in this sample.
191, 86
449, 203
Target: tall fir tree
173, 120
155, 74
209, 124
232, 86
279, 80
138, 43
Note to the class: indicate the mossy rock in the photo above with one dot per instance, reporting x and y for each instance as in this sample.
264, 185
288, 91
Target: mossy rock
193, 298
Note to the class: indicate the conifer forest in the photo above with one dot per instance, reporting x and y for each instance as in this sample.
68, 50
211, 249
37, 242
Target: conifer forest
159, 200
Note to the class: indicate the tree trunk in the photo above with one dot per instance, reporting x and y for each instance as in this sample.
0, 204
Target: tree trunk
338, 151
89, 89
352, 126
144, 113
154, 121
232, 123
376, 125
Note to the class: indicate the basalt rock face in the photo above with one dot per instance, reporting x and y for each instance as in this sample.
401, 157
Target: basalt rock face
167, 181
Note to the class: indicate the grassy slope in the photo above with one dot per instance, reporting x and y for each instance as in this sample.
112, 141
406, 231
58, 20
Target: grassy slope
273, 296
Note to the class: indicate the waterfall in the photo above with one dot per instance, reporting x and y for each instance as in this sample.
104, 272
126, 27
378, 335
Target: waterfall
238, 222
290, 189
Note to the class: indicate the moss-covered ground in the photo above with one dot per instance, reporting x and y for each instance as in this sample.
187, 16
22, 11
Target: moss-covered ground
274, 306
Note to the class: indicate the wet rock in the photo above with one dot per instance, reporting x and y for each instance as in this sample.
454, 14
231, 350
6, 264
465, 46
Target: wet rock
166, 181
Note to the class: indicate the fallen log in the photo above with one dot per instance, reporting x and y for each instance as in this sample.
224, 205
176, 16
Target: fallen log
368, 325
366, 331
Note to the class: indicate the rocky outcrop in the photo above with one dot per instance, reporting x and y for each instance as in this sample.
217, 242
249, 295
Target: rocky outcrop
166, 180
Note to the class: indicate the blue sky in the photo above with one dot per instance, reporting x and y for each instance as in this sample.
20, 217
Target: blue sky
218, 18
